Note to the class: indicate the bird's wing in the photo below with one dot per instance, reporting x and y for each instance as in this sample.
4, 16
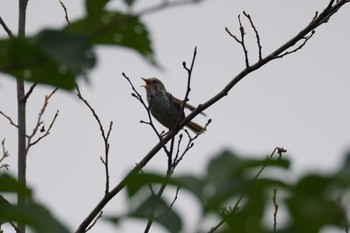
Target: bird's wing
187, 105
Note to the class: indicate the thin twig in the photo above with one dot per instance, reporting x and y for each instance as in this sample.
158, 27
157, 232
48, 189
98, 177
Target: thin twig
41, 113
65, 12
7, 30
305, 39
189, 145
9, 119
40, 123
105, 137
276, 210
47, 132
241, 41
256, 34
5, 154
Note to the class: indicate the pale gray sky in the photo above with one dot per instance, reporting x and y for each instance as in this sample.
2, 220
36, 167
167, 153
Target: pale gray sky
299, 102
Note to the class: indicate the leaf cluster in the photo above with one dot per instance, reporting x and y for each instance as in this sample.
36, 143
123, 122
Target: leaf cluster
59, 56
33, 214
229, 192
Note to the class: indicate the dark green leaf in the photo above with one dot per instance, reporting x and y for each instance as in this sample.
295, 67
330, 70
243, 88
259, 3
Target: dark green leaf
33, 215
94, 7
196, 186
52, 57
248, 218
312, 206
129, 2
115, 28
227, 167
135, 182
222, 167
72, 51
157, 207
8, 184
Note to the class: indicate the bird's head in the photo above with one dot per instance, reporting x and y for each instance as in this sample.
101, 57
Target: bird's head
153, 84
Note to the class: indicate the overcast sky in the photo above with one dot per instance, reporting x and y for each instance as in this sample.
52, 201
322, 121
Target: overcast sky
300, 102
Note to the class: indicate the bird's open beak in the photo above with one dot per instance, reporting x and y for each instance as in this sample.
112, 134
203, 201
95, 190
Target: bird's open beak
148, 83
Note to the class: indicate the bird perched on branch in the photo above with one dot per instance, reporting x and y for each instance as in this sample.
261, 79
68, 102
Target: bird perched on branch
165, 107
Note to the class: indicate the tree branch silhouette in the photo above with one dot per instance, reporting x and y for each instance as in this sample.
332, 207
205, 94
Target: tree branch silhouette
105, 137
318, 20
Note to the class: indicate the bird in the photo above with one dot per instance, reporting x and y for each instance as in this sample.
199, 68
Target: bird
165, 107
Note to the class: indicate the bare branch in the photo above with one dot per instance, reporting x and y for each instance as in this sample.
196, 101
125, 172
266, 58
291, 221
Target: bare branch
95, 221
105, 137
5, 154
41, 113
305, 39
240, 41
47, 132
256, 34
65, 12
276, 210
31, 89
189, 145
9, 119
7, 30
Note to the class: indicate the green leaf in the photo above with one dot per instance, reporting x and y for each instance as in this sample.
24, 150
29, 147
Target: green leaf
248, 218
227, 166
52, 57
8, 184
115, 28
156, 208
72, 51
94, 7
195, 185
160, 209
135, 182
33, 215
229, 175
129, 2
312, 206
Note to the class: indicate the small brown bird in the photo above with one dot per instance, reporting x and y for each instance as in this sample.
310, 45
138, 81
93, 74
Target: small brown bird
165, 107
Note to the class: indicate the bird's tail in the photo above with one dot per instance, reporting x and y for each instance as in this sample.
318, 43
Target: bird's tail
196, 128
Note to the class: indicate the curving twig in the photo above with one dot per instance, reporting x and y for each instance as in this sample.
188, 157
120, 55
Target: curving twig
256, 34
7, 30
276, 206
105, 136
65, 12
9, 119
